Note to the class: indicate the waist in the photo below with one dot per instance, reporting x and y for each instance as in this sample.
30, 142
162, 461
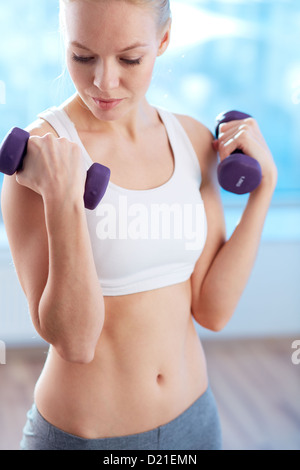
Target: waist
149, 365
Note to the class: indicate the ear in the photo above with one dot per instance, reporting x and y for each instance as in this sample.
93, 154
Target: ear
166, 36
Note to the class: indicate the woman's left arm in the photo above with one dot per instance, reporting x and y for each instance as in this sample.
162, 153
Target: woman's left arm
223, 269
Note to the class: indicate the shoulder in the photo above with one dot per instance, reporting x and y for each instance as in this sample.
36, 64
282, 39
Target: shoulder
195, 129
202, 141
40, 127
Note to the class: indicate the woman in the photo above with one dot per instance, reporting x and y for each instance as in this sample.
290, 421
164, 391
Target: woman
126, 369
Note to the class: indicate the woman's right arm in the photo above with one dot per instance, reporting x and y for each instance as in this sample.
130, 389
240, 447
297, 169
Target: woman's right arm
50, 245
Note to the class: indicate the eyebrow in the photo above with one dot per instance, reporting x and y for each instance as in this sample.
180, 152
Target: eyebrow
129, 48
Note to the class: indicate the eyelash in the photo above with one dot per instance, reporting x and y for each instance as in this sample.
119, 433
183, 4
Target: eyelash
132, 62
85, 60
80, 59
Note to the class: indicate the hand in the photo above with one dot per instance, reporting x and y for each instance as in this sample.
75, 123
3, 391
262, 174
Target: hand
53, 167
246, 136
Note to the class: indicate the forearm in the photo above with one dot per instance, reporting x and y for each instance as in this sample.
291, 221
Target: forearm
71, 309
229, 272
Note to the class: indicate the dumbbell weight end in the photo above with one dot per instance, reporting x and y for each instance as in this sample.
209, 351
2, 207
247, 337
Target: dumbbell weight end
13, 150
97, 180
239, 173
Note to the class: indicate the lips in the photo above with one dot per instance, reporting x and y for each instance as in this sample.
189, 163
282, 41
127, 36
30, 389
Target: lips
107, 104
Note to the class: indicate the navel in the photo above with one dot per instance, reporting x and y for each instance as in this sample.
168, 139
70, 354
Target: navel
159, 379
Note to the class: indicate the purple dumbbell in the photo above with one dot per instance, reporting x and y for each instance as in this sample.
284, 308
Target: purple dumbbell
13, 150
238, 173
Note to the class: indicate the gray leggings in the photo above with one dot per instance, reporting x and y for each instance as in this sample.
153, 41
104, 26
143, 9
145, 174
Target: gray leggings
198, 428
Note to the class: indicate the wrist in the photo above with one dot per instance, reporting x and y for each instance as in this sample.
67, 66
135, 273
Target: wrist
269, 179
61, 213
55, 202
266, 188
270, 175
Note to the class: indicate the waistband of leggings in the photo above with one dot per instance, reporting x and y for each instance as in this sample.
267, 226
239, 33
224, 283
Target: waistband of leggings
202, 401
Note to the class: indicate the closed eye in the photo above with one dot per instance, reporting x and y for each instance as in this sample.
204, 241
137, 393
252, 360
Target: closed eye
87, 59
132, 61
81, 59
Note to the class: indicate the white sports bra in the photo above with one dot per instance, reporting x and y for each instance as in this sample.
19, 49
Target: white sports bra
145, 239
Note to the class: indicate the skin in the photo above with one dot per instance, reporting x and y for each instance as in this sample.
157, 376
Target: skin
112, 358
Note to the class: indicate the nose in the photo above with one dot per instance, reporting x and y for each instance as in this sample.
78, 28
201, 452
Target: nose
106, 76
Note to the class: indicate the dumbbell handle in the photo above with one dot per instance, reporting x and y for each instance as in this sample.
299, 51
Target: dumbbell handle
238, 173
13, 151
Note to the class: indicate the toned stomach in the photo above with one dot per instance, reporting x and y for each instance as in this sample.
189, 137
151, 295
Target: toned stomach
148, 368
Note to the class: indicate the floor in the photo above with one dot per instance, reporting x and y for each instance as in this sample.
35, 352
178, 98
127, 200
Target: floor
257, 388
256, 385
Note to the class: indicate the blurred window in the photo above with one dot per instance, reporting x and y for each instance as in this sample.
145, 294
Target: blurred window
224, 54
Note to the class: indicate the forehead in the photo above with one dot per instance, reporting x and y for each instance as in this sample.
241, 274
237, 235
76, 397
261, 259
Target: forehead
108, 23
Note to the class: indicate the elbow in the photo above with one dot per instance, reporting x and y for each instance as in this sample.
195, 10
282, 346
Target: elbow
75, 350
75, 345
79, 348
216, 326
78, 355
211, 321
82, 359
72, 350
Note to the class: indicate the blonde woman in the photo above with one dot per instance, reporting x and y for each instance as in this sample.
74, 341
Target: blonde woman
114, 297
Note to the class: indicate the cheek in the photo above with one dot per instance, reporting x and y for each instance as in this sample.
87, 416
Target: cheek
149, 72
72, 70
79, 74
144, 78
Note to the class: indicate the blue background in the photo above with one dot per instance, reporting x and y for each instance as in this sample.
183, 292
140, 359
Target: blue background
223, 55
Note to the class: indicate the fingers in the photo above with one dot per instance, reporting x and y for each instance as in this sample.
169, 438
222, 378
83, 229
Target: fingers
243, 135
52, 165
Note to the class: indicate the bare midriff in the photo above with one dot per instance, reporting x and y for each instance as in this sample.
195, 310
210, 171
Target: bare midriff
149, 367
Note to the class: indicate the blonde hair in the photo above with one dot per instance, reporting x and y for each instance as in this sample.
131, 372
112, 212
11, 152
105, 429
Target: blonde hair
161, 8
